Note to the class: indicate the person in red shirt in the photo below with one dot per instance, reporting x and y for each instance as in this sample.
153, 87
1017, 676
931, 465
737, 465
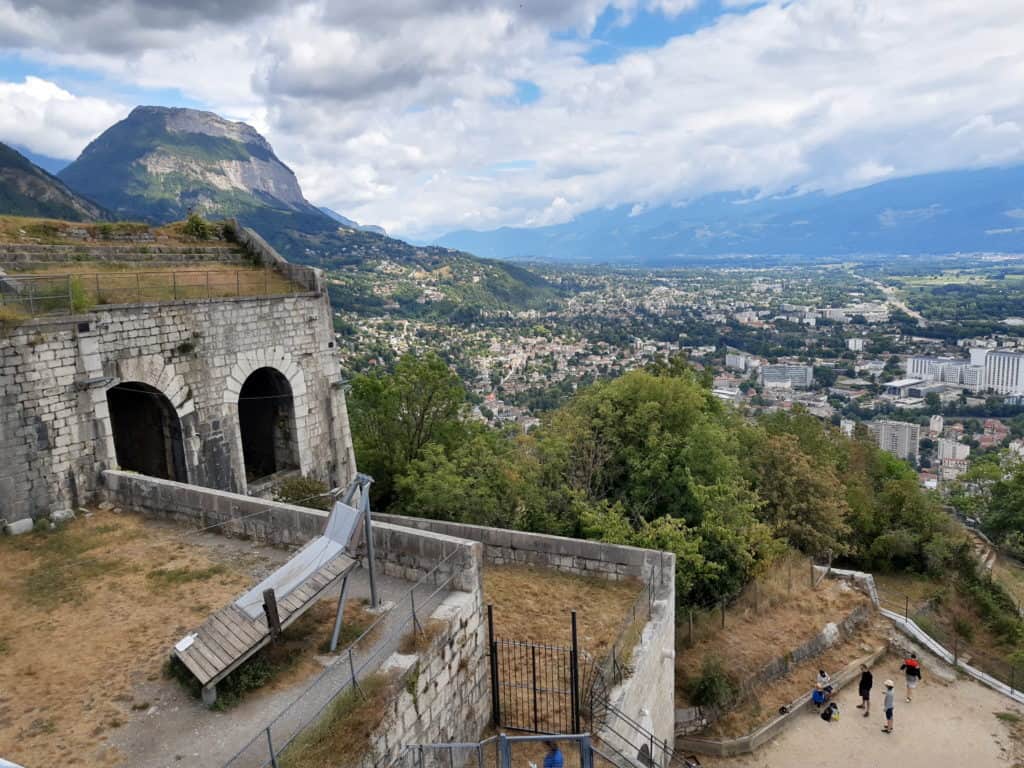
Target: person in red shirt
912, 668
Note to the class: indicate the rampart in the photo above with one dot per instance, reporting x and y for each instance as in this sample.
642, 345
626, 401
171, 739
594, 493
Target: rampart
646, 695
221, 393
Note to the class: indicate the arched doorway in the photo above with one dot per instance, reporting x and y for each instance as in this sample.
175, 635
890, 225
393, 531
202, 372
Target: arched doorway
147, 431
266, 418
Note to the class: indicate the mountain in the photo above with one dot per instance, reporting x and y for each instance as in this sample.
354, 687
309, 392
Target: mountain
52, 165
158, 164
27, 190
345, 221
957, 211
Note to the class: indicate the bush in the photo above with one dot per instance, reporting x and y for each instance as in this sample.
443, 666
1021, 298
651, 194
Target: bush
198, 227
714, 688
80, 301
304, 492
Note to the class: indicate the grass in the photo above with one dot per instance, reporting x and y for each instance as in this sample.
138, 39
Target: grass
161, 578
1009, 717
19, 229
11, 317
342, 735
535, 605
97, 283
5, 646
64, 566
419, 641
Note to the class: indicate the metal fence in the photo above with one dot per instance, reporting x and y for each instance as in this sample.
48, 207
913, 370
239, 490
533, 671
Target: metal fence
36, 295
509, 752
956, 638
359, 660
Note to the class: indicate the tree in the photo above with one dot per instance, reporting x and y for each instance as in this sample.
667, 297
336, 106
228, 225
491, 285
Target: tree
933, 402
394, 417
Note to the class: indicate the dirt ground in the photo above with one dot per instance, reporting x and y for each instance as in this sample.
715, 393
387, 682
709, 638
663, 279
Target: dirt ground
92, 612
955, 725
535, 604
752, 639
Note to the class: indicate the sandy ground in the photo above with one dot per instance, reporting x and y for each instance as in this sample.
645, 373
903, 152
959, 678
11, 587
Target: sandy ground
945, 727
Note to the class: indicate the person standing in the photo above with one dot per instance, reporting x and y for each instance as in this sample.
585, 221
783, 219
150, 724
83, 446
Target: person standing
889, 703
553, 759
864, 689
912, 668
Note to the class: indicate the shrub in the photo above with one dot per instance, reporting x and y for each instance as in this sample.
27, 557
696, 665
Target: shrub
304, 492
715, 687
198, 227
963, 628
80, 300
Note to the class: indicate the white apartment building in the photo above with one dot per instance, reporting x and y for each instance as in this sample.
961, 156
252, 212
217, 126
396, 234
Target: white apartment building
899, 438
786, 376
952, 450
1004, 371
856, 345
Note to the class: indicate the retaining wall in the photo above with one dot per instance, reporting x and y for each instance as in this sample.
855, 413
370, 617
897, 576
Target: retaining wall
445, 692
647, 695
577, 556
22, 255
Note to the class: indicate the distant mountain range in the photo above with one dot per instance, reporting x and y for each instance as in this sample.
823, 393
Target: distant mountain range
957, 211
27, 190
159, 164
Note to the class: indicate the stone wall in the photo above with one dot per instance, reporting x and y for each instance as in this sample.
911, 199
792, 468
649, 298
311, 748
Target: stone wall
445, 690
584, 558
647, 696
56, 435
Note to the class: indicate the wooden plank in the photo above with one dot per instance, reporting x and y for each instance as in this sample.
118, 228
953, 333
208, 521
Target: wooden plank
239, 661
202, 649
219, 646
241, 633
200, 670
252, 629
229, 640
197, 661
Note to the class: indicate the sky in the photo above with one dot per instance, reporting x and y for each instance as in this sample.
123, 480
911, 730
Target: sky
426, 116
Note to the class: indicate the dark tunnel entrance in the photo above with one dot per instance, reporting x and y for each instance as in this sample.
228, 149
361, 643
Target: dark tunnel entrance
266, 417
147, 431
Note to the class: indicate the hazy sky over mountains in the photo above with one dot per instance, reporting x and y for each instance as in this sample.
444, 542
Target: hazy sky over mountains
430, 115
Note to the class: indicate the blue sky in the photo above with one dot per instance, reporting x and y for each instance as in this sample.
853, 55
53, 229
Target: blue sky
431, 115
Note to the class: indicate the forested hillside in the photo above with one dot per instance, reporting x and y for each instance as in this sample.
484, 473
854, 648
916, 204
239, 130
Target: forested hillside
651, 459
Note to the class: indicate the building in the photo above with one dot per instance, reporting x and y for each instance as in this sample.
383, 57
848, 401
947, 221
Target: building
737, 361
935, 425
857, 344
847, 427
899, 438
901, 387
951, 449
233, 393
787, 376
1004, 371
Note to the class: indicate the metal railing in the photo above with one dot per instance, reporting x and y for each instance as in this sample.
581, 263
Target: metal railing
360, 659
507, 752
38, 295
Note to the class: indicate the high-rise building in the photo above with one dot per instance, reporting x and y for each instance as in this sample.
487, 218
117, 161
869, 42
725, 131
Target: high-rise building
899, 438
787, 376
935, 425
1004, 371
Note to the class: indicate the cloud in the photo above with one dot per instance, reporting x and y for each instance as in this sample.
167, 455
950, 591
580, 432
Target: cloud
398, 113
51, 121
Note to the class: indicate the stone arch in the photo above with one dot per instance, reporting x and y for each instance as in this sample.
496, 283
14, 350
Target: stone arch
281, 362
146, 431
155, 372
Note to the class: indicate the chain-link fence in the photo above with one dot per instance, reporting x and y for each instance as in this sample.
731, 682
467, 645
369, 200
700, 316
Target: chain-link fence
353, 665
37, 295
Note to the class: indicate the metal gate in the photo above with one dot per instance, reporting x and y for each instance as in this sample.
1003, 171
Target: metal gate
534, 687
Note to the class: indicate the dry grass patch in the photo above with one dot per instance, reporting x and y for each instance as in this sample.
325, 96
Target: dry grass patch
418, 641
82, 625
753, 638
535, 604
25, 229
342, 735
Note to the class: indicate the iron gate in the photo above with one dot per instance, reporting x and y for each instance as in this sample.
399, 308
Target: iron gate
535, 687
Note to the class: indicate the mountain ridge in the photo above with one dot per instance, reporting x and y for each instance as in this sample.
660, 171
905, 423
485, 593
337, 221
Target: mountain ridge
976, 210
28, 190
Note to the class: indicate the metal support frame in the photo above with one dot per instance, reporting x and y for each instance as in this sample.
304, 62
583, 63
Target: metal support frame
339, 616
365, 481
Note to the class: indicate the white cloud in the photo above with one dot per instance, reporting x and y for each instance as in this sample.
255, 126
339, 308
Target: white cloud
392, 113
47, 119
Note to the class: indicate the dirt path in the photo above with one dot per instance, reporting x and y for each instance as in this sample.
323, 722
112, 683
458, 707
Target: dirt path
953, 725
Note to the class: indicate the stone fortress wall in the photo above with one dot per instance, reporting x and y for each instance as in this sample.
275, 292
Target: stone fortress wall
179, 369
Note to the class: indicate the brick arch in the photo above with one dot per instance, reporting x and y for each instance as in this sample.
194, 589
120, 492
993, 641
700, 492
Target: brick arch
281, 361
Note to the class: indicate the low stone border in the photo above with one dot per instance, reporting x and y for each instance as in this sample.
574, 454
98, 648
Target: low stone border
761, 736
